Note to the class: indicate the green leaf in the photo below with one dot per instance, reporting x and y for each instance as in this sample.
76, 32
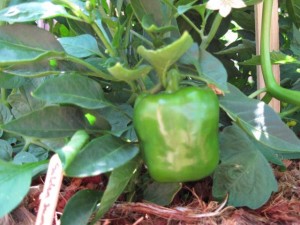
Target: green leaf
161, 59
22, 101
21, 43
251, 2
32, 11
9, 81
118, 117
117, 183
101, 155
293, 7
6, 150
128, 75
38, 152
244, 172
54, 122
71, 149
210, 69
5, 114
80, 207
148, 23
161, 193
72, 89
260, 121
181, 9
245, 45
24, 157
15, 182
276, 58
162, 14
80, 46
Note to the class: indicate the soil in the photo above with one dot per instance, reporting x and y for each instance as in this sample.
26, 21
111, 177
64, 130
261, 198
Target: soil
283, 208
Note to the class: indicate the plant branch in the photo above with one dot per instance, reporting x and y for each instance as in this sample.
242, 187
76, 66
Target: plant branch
98, 73
215, 26
282, 94
184, 17
257, 92
289, 112
4, 96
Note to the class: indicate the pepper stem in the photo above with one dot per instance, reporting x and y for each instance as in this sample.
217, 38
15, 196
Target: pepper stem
173, 77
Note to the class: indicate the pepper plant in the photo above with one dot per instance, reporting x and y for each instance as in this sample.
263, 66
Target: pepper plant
107, 68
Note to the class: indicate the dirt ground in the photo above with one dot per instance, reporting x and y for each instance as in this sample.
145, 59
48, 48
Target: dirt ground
282, 209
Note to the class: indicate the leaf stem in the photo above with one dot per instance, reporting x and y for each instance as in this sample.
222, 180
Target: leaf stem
215, 26
257, 92
184, 17
289, 112
106, 43
98, 73
149, 43
4, 97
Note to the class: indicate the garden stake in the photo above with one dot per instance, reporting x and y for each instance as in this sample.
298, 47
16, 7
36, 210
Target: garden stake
49, 196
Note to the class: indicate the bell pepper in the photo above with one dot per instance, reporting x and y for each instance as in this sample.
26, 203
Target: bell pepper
178, 133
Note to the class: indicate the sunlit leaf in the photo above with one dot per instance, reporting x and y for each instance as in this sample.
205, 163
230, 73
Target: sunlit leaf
260, 121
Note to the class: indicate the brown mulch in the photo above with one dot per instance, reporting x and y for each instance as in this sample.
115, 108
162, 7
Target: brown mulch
283, 208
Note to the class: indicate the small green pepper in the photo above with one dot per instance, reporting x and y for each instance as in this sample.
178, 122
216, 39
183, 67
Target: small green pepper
178, 133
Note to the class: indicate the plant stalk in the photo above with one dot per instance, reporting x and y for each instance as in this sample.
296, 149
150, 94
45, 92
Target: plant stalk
273, 88
257, 92
289, 112
215, 26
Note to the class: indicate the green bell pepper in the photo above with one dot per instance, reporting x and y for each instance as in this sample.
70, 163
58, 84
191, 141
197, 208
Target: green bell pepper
178, 133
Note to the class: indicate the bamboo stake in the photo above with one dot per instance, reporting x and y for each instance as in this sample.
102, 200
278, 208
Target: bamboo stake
275, 104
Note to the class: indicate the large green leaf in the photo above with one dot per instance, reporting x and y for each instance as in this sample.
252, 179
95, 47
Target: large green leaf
161, 59
101, 155
117, 183
21, 43
244, 172
15, 182
80, 207
32, 11
161, 193
210, 69
293, 7
54, 122
72, 89
260, 121
80, 46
